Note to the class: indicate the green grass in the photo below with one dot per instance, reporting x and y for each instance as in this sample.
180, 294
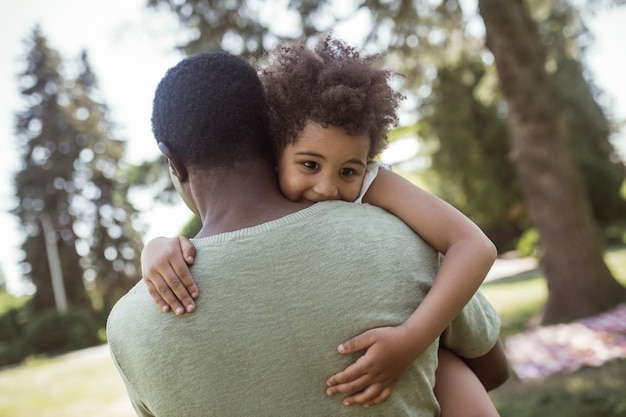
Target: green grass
589, 392
518, 299
85, 383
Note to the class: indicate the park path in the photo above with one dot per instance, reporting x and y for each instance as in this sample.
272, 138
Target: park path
509, 264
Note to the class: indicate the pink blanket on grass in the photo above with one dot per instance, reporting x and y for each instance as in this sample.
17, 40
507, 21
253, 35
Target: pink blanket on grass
546, 350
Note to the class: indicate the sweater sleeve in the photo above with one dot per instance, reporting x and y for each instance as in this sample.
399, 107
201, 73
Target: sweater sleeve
474, 331
138, 405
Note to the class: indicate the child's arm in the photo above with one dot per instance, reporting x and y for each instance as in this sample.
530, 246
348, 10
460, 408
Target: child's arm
458, 389
492, 368
469, 255
165, 268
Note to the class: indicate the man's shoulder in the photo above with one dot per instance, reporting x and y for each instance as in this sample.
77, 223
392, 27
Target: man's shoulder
367, 212
128, 306
364, 219
340, 206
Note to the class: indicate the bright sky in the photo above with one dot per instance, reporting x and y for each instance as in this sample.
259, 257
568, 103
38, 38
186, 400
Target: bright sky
130, 49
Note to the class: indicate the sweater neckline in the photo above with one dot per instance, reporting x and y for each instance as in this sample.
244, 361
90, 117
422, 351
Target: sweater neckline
261, 228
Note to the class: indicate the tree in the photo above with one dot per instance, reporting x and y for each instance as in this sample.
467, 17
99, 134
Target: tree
589, 131
565, 36
579, 282
452, 115
44, 185
68, 181
113, 241
453, 118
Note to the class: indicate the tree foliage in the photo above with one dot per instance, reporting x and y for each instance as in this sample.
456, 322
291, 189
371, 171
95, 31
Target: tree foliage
71, 175
469, 131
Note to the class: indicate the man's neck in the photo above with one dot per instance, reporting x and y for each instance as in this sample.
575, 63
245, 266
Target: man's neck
232, 200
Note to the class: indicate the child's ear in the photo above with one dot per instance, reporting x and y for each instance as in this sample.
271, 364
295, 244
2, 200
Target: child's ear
178, 167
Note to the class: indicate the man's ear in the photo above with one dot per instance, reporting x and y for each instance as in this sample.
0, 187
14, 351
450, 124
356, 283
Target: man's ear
180, 170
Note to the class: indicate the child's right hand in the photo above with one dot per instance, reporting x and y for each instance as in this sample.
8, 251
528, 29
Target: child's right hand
372, 378
165, 268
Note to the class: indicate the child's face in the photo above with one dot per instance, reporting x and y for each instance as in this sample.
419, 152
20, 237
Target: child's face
323, 163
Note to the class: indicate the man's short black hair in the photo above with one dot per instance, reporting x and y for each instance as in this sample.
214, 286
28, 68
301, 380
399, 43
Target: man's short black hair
210, 109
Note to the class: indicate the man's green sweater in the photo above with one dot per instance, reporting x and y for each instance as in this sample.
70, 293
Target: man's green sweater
276, 300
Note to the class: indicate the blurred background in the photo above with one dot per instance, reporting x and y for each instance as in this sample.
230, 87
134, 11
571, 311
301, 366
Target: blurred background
82, 186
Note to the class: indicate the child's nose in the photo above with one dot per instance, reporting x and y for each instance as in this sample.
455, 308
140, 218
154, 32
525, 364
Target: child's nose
327, 189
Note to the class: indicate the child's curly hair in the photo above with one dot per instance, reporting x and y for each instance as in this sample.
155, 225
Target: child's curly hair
331, 85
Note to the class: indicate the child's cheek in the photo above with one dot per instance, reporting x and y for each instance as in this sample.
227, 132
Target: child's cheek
290, 189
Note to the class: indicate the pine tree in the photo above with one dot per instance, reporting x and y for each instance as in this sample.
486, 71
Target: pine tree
70, 180
45, 185
114, 243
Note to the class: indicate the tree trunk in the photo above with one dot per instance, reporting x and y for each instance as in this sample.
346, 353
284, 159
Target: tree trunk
579, 282
40, 273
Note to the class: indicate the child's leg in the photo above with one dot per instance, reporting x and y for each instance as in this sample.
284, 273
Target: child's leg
458, 390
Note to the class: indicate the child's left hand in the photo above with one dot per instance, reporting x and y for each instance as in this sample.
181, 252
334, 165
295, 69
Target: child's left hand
371, 379
165, 268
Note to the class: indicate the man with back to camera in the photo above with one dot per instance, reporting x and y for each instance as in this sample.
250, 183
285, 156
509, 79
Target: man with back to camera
282, 282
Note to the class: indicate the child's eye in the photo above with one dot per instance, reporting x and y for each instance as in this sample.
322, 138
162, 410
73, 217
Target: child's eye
311, 164
346, 172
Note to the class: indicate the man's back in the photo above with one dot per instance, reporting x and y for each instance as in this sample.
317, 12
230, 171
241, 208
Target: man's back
276, 300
